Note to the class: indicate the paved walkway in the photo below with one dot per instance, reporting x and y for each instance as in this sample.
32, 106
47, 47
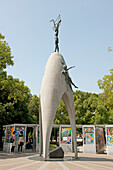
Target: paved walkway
32, 161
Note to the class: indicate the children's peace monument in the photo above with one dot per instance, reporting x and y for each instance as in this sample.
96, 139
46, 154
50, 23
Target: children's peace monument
56, 85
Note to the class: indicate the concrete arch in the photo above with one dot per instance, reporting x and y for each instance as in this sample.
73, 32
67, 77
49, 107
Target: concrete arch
53, 88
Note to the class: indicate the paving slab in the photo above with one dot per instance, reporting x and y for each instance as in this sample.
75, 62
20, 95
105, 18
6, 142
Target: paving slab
32, 161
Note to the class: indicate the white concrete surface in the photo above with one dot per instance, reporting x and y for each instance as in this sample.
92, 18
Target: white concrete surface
53, 88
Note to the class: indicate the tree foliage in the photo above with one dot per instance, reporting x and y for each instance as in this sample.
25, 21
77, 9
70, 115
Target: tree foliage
5, 54
106, 84
14, 97
17, 105
33, 108
61, 116
89, 109
16, 100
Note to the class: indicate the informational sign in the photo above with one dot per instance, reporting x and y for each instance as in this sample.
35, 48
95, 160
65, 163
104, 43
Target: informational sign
18, 129
66, 135
89, 135
9, 132
64, 138
110, 136
100, 141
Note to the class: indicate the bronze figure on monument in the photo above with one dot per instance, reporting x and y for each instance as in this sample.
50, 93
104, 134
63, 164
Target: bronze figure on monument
56, 29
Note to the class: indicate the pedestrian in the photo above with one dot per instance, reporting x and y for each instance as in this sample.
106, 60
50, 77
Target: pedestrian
13, 142
20, 142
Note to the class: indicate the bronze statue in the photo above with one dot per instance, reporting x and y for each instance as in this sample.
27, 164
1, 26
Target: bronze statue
56, 29
67, 77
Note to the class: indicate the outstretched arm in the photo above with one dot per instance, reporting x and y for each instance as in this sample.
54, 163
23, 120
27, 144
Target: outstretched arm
53, 22
70, 67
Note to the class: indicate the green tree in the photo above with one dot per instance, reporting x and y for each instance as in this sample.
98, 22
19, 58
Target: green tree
106, 84
5, 59
5, 54
14, 97
89, 108
33, 108
61, 116
81, 106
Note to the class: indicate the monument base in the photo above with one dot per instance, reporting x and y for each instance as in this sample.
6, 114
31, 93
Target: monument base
57, 153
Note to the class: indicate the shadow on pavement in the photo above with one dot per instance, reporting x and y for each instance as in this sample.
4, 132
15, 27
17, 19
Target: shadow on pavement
71, 158
16, 155
35, 156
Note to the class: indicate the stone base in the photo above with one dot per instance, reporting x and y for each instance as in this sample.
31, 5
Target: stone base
66, 147
7, 147
57, 153
89, 148
109, 150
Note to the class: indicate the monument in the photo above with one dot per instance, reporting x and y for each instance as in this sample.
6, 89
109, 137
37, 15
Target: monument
56, 85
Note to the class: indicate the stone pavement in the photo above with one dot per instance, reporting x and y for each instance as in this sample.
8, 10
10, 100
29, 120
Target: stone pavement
32, 161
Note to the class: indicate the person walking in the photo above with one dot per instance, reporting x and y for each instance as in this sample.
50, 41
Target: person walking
20, 142
13, 142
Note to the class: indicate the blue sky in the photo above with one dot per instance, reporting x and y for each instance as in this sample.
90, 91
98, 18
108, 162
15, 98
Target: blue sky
85, 33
